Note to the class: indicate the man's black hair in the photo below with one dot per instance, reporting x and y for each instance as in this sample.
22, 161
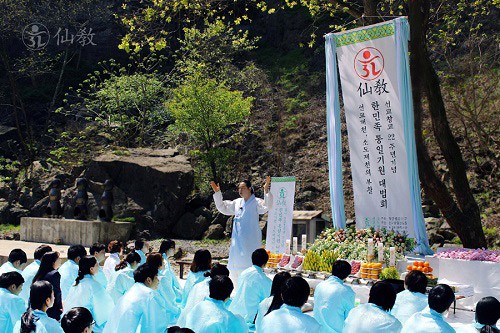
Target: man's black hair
76, 251
17, 254
260, 257
341, 269
295, 291
440, 298
220, 287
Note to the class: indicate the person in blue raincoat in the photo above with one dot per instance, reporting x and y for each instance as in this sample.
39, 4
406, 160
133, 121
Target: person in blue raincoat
30, 271
141, 246
201, 291
78, 320
246, 235
69, 270
15, 262
98, 250
333, 300
289, 318
122, 279
115, 250
274, 301
11, 305
430, 319
35, 319
167, 249
253, 288
487, 315
211, 315
374, 316
413, 299
88, 293
139, 310
202, 263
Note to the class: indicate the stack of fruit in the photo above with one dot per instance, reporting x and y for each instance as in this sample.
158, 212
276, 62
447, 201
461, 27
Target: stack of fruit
370, 270
355, 266
320, 262
297, 263
285, 260
274, 259
422, 266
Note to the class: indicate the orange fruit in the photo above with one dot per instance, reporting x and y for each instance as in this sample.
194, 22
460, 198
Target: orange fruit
409, 268
426, 264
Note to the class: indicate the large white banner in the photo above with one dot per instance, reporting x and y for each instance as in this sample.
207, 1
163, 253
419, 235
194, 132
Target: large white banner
280, 217
368, 72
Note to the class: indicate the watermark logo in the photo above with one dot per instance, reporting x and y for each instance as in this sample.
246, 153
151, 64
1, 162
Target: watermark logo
36, 36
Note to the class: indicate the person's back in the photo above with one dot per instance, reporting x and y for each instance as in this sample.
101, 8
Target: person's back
374, 316
253, 287
211, 315
138, 310
202, 263
69, 270
333, 300
412, 300
15, 262
289, 318
11, 305
120, 282
430, 320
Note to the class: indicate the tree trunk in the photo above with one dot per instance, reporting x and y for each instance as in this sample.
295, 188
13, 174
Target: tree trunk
462, 214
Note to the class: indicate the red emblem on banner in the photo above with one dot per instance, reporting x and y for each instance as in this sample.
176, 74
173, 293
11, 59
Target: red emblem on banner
369, 63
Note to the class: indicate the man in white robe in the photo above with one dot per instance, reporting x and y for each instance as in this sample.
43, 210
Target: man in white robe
11, 305
413, 299
69, 270
99, 252
246, 235
15, 263
30, 271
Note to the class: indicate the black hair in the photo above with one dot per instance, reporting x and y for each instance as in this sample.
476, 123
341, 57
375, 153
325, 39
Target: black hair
416, 282
39, 292
177, 329
278, 283
41, 250
341, 269
139, 243
46, 265
10, 278
220, 287
260, 257
217, 269
249, 185
115, 246
97, 247
145, 271
84, 266
76, 251
18, 254
295, 291
155, 259
488, 311
440, 298
383, 295
129, 258
76, 320
202, 261
166, 245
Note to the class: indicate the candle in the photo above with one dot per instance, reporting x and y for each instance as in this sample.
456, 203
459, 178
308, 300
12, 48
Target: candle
392, 256
370, 249
380, 251
295, 245
287, 246
304, 242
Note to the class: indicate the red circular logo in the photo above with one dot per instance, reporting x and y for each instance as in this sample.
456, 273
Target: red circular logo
369, 63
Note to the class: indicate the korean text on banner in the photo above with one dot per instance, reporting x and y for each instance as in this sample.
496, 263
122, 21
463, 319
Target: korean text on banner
280, 218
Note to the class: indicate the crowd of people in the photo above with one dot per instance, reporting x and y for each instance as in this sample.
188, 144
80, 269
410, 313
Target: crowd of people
140, 293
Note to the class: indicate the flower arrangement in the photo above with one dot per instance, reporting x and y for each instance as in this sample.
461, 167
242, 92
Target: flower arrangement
470, 254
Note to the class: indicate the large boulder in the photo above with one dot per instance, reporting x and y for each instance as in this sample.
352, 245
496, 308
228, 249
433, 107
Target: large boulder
11, 213
191, 226
215, 231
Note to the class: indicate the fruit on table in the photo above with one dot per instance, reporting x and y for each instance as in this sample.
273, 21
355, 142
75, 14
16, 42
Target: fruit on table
422, 266
284, 260
355, 267
297, 262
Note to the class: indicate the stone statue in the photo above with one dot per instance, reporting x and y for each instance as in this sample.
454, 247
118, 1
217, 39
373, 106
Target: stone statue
54, 208
106, 210
80, 212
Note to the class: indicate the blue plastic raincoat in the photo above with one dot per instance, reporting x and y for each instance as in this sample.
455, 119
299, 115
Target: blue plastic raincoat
43, 324
120, 282
142, 255
253, 287
138, 311
8, 267
198, 294
370, 318
211, 316
333, 300
69, 272
191, 280
91, 295
407, 304
28, 274
168, 271
110, 264
101, 278
427, 321
246, 236
288, 319
263, 308
12, 308
167, 295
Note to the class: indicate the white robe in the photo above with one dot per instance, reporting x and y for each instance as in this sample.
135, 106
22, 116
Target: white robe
263, 308
69, 273
120, 282
101, 277
28, 274
246, 236
198, 294
370, 318
254, 286
91, 295
142, 255
427, 321
333, 300
288, 319
211, 316
43, 324
407, 304
9, 267
11, 309
110, 264
168, 271
191, 280
138, 311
